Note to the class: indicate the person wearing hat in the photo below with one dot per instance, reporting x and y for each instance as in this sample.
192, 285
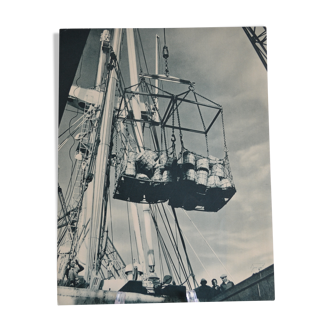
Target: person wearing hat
226, 284
74, 269
204, 292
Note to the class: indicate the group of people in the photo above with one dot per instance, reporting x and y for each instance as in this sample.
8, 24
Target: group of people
205, 292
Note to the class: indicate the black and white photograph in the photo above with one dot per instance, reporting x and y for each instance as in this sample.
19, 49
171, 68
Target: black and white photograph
164, 189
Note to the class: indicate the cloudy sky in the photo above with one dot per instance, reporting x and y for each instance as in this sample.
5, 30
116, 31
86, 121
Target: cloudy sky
227, 70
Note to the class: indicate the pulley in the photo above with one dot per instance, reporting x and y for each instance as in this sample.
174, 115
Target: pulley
165, 52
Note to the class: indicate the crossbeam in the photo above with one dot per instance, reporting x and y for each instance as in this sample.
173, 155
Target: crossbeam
185, 129
167, 78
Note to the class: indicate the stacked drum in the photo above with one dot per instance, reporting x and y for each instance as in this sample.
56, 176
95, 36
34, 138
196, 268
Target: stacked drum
218, 179
169, 168
130, 167
188, 173
202, 166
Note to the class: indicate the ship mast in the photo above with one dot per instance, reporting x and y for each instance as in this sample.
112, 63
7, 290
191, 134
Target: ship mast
93, 263
139, 138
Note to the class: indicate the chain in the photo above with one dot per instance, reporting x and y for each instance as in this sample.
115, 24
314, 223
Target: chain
223, 131
181, 136
173, 139
204, 128
166, 68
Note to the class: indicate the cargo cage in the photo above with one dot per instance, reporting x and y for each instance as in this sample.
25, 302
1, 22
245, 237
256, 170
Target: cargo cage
191, 182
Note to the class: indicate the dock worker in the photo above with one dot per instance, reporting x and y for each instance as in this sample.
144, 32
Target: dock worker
226, 284
74, 269
204, 292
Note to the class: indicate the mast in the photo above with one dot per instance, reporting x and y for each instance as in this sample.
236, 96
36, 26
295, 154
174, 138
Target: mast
157, 68
88, 197
139, 137
101, 162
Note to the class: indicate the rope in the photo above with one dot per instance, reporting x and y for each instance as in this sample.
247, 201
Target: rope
80, 72
62, 144
196, 255
138, 55
70, 180
176, 250
166, 253
175, 247
131, 246
71, 125
146, 65
208, 244
164, 36
184, 248
160, 259
223, 130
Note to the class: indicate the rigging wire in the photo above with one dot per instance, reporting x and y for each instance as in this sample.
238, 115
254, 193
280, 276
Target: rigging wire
166, 253
175, 244
176, 249
146, 65
138, 54
80, 73
191, 272
62, 144
196, 255
208, 244
131, 246
67, 110
164, 36
70, 180
160, 259
72, 124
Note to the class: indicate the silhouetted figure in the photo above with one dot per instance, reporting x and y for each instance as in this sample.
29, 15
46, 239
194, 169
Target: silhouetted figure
204, 292
226, 284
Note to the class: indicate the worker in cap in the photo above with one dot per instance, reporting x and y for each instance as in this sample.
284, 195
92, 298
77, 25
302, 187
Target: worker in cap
203, 282
226, 284
74, 270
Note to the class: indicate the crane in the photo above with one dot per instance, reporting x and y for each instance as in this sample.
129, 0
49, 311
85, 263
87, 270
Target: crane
257, 37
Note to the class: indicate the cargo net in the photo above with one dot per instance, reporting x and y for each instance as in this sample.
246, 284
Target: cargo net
189, 181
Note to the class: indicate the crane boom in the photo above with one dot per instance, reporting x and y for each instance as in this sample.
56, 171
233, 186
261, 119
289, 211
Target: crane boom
258, 41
